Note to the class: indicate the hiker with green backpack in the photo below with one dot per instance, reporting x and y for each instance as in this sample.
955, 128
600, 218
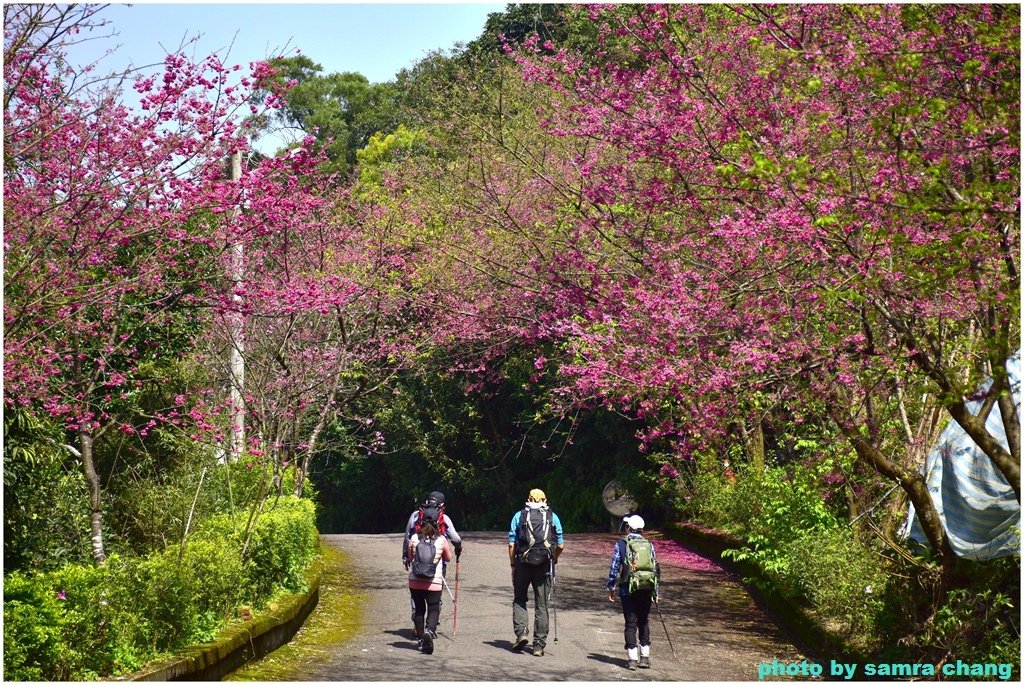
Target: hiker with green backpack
634, 577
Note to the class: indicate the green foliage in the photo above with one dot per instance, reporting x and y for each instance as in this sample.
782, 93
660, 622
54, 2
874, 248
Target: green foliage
33, 649
976, 627
46, 501
384, 152
979, 621
777, 506
880, 603
484, 444
341, 110
705, 496
151, 513
82, 622
841, 578
518, 22
282, 543
794, 536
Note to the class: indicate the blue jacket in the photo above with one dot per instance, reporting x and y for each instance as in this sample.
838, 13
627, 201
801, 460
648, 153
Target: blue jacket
555, 523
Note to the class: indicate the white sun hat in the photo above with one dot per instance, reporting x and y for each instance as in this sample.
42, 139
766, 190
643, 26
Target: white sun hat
635, 522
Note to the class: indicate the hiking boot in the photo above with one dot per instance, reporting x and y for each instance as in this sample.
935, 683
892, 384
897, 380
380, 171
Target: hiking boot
631, 665
538, 650
521, 643
427, 643
645, 662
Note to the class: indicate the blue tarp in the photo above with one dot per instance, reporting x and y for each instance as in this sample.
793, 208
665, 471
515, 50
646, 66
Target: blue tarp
976, 504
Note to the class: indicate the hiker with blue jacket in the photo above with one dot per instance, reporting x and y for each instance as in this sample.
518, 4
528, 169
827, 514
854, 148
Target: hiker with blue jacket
535, 542
428, 550
633, 576
432, 509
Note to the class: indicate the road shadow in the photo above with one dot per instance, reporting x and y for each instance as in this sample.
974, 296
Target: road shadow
405, 633
411, 646
605, 659
504, 645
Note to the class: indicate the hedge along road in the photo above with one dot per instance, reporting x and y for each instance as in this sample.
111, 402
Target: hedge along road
717, 630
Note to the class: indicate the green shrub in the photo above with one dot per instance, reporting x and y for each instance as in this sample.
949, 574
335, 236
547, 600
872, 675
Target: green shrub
83, 622
842, 579
975, 627
152, 514
775, 508
217, 577
33, 646
978, 622
706, 497
46, 498
102, 625
282, 543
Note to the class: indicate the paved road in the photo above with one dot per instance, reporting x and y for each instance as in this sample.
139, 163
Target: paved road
716, 629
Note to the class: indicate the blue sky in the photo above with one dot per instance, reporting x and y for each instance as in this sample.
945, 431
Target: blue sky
376, 40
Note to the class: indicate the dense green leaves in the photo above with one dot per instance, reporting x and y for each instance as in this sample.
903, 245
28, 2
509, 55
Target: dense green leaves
340, 110
83, 622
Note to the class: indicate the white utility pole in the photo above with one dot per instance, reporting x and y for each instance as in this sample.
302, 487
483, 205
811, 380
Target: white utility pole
237, 331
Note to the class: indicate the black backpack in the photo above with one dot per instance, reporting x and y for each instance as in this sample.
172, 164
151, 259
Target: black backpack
534, 536
433, 513
424, 563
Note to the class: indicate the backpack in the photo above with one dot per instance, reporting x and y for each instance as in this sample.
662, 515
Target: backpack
533, 536
639, 566
424, 563
434, 513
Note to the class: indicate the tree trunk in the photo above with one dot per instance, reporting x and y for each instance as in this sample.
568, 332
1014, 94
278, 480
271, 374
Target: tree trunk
302, 464
911, 481
974, 426
953, 400
85, 440
755, 446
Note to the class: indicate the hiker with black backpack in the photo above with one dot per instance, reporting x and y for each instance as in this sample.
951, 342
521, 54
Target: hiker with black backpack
535, 542
432, 510
634, 575
428, 550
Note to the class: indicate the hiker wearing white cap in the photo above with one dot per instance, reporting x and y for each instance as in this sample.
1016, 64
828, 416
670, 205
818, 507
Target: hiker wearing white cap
535, 542
633, 576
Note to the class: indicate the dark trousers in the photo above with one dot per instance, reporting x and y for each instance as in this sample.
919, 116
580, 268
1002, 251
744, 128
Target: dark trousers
426, 602
412, 602
523, 576
637, 610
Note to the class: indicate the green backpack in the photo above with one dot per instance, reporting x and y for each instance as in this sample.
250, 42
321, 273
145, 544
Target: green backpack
639, 566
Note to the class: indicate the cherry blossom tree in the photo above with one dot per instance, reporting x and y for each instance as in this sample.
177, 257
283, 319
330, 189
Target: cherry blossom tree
112, 220
813, 204
817, 201
323, 324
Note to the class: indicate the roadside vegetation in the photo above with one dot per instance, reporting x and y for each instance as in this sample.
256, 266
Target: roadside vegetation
880, 599
749, 261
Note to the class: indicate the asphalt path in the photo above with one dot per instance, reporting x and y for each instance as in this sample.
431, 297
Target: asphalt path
716, 630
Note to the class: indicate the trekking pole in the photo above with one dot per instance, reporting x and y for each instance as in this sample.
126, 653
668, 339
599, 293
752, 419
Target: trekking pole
455, 599
445, 583
455, 602
663, 625
554, 609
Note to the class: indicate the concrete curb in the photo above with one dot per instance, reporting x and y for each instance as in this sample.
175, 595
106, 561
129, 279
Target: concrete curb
813, 637
241, 642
